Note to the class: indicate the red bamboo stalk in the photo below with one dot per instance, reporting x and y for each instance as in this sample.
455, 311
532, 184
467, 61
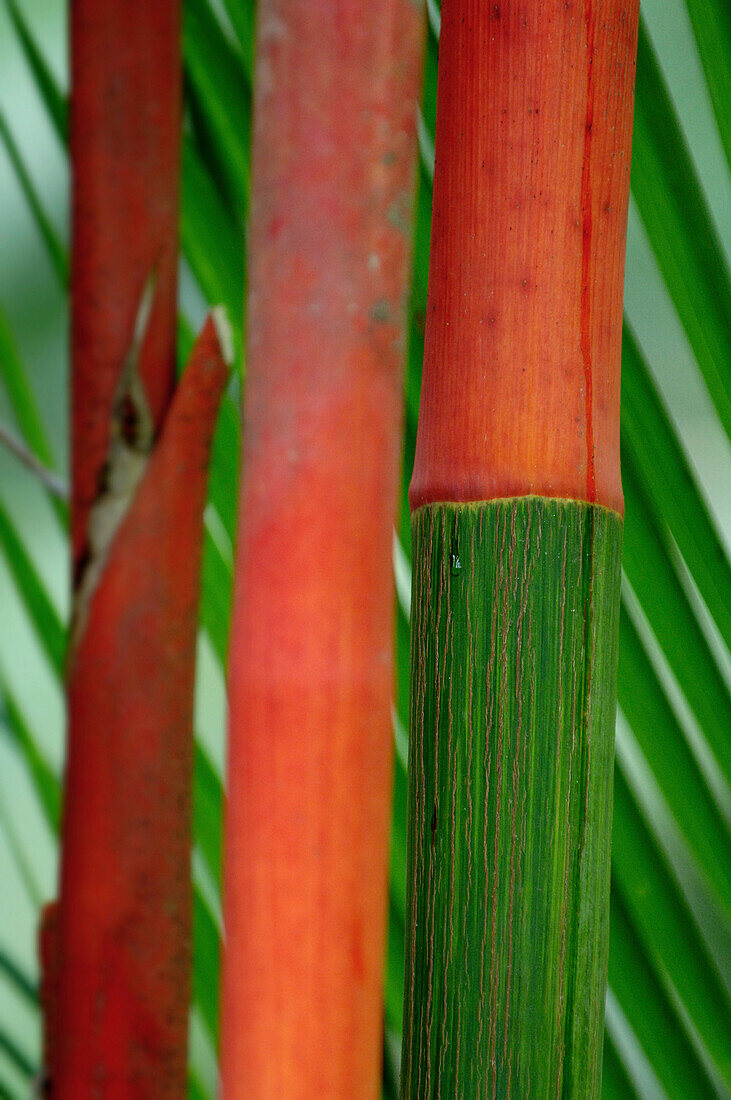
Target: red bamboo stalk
125, 152
522, 358
124, 933
117, 993
310, 664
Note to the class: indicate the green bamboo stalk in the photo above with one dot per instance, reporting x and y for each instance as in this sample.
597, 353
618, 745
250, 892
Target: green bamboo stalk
514, 652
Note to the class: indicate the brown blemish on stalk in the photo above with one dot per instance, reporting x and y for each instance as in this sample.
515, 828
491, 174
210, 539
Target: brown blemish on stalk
381, 312
399, 214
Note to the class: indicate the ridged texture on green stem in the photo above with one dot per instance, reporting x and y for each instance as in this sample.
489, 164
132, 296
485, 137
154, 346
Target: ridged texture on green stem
515, 615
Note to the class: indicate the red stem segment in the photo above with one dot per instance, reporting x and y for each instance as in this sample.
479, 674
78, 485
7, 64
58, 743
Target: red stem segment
123, 991
117, 952
311, 679
125, 153
522, 360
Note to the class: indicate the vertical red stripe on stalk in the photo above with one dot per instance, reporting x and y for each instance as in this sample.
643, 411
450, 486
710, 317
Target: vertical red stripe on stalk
520, 392
310, 667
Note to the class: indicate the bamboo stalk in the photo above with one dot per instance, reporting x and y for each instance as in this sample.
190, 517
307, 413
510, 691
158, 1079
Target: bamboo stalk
514, 666
125, 119
310, 666
116, 952
517, 518
527, 258
124, 923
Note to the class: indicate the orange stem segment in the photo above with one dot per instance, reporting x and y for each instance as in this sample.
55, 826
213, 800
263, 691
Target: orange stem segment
123, 985
310, 667
522, 360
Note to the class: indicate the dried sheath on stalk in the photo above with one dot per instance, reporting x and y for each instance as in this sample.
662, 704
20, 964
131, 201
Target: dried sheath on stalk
517, 520
117, 951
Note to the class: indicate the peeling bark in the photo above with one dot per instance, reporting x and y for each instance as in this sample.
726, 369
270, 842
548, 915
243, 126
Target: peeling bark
121, 1015
125, 125
118, 964
131, 437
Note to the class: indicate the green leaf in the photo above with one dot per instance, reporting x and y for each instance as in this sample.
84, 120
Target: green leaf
216, 586
207, 812
672, 491
431, 57
42, 614
46, 83
20, 857
711, 21
5, 1093
673, 208
654, 579
616, 1084
44, 780
666, 750
242, 15
21, 397
225, 464
221, 98
402, 664
16, 1056
650, 1011
185, 342
206, 953
213, 245
666, 927
399, 834
195, 1088
56, 251
395, 957
25, 410
19, 980
390, 1070
395, 965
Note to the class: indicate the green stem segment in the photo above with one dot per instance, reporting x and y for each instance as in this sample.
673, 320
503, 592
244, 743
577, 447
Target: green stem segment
514, 659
